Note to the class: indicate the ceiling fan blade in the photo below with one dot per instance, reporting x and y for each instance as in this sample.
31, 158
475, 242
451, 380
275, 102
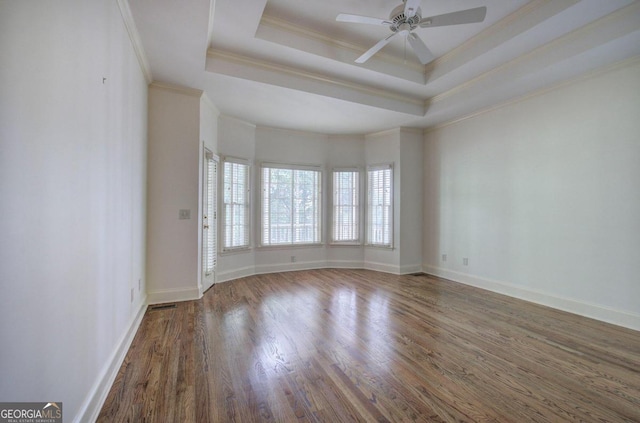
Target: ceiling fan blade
373, 50
421, 50
345, 17
455, 18
411, 7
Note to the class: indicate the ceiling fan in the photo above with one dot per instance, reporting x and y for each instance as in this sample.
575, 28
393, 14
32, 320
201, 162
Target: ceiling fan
408, 16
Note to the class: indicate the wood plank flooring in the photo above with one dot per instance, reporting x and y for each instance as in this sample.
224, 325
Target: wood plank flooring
355, 345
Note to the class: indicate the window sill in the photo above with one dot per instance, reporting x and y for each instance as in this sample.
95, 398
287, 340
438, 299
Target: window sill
289, 246
233, 251
380, 247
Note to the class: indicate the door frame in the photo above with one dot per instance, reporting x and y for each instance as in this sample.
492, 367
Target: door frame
207, 223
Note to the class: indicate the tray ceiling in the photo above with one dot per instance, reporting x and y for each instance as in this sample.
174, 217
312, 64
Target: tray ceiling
289, 64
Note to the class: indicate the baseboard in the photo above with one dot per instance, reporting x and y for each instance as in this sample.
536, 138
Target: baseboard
172, 295
593, 311
290, 267
344, 264
310, 265
230, 275
382, 267
410, 268
94, 401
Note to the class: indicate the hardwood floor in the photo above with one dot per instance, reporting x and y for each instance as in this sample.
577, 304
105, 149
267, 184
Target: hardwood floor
355, 345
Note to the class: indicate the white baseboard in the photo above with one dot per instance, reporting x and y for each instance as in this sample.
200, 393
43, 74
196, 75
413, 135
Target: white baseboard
230, 275
410, 268
310, 265
290, 267
382, 267
344, 264
594, 311
172, 295
94, 401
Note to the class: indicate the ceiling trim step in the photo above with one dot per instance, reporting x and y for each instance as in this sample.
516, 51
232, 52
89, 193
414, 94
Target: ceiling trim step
244, 67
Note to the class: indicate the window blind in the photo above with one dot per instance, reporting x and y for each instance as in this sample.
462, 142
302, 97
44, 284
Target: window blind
210, 217
236, 218
291, 209
380, 205
346, 206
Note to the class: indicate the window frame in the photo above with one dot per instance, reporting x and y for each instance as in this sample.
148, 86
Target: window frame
358, 206
368, 219
247, 205
320, 211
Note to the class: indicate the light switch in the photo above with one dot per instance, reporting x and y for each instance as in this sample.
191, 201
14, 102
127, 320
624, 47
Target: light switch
184, 214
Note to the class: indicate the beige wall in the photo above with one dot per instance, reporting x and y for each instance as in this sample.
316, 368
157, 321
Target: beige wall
174, 169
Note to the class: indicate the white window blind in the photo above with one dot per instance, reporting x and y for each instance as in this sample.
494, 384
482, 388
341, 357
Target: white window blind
236, 218
210, 242
380, 205
291, 209
346, 206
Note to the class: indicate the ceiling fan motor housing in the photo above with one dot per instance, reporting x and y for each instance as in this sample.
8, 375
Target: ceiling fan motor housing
398, 18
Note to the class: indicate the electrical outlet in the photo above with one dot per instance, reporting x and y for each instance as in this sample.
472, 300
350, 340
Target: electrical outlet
131, 294
465, 261
444, 257
293, 259
184, 214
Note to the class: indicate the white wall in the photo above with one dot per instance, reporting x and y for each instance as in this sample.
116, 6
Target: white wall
345, 151
410, 199
209, 115
282, 146
72, 183
174, 183
243, 140
380, 148
236, 138
542, 197
261, 144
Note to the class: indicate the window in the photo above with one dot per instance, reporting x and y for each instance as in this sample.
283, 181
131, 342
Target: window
290, 205
380, 205
346, 206
235, 205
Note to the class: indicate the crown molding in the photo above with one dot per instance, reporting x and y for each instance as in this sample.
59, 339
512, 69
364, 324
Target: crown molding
206, 100
307, 33
212, 13
385, 132
357, 49
238, 120
605, 29
632, 61
412, 131
136, 41
292, 131
166, 86
263, 71
523, 19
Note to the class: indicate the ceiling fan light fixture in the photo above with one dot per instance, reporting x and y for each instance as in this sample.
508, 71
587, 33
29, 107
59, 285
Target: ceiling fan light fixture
406, 17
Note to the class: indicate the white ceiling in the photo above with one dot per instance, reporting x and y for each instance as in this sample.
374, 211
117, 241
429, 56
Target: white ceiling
289, 64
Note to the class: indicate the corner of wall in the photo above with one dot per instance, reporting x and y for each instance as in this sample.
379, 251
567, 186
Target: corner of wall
174, 295
136, 41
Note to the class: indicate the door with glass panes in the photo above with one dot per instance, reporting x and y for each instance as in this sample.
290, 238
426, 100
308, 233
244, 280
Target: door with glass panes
209, 220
